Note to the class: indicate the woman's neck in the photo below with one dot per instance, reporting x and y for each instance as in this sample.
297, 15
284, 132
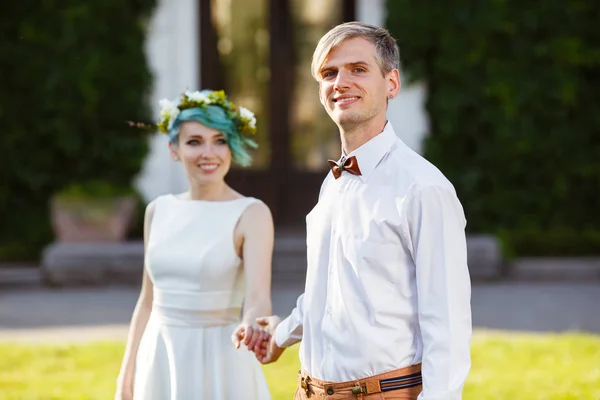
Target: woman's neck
211, 192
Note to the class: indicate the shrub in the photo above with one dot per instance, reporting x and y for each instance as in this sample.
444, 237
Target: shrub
513, 100
73, 74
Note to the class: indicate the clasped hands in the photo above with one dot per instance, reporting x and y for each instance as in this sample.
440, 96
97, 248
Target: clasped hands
259, 338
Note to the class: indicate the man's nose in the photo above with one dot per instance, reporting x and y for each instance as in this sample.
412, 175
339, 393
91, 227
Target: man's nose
341, 81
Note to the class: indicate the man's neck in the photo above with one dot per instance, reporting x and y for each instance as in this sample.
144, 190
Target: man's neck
354, 137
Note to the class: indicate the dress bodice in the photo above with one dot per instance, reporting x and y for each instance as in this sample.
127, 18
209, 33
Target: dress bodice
191, 257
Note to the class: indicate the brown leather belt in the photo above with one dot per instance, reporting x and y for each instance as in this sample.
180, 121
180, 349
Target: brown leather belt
364, 386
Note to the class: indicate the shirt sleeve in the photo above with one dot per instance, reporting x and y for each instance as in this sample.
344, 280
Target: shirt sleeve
289, 331
436, 225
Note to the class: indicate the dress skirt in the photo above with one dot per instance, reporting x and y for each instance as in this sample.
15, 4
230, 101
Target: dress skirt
183, 357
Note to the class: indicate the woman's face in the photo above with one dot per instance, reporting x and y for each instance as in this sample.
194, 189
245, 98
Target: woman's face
203, 152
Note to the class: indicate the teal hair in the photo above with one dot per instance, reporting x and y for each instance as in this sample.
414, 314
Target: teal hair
216, 117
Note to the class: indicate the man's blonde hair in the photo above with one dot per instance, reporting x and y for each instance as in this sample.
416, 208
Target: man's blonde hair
387, 52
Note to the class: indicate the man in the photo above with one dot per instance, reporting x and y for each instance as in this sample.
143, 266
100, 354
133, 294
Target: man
386, 309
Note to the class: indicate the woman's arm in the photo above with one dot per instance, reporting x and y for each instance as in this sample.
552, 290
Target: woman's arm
139, 319
256, 227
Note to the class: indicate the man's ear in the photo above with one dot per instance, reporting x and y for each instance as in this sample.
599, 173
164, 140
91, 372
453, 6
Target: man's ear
394, 83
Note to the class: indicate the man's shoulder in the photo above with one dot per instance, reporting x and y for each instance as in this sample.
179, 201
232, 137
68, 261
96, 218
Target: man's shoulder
411, 169
418, 178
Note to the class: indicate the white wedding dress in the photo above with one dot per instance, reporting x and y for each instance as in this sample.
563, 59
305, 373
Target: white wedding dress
186, 352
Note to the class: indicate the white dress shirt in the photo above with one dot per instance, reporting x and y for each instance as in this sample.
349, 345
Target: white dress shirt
387, 282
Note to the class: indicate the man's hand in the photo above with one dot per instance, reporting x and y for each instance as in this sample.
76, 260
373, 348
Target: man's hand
268, 351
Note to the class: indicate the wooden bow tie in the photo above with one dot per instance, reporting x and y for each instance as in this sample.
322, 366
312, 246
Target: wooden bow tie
346, 164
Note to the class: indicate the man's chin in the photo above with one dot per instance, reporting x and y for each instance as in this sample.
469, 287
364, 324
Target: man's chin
348, 118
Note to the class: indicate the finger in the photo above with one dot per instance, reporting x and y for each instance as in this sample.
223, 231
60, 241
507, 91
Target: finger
263, 321
263, 356
258, 353
267, 338
256, 333
248, 335
259, 344
266, 351
238, 336
265, 343
260, 337
266, 358
254, 339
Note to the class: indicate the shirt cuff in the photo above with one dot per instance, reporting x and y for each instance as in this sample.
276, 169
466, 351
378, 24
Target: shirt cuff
284, 335
280, 335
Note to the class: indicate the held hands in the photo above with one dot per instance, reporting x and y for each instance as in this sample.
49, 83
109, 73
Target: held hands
252, 336
269, 351
259, 338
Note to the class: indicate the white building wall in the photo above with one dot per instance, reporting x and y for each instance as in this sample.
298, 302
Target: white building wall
407, 111
172, 50
172, 53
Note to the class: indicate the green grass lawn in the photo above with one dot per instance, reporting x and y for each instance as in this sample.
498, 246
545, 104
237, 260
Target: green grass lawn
505, 366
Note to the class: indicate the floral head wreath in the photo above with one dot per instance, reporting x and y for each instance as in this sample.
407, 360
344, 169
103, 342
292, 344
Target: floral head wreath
242, 117
238, 137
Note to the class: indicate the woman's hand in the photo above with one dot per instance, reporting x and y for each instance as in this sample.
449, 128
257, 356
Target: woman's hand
251, 335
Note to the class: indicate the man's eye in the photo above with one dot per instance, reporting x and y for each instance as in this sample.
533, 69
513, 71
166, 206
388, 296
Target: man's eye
193, 142
221, 141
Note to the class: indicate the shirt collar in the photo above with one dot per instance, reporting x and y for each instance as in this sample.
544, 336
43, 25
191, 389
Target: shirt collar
370, 153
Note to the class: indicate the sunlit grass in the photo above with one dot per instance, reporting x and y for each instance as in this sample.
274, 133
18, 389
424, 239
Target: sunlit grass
505, 366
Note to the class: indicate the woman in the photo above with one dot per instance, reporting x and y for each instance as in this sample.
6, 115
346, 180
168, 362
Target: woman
190, 304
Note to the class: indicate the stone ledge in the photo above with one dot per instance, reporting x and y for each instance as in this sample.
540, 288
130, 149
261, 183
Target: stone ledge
18, 275
555, 269
65, 264
484, 257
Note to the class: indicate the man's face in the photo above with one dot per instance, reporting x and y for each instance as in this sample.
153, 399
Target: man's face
352, 87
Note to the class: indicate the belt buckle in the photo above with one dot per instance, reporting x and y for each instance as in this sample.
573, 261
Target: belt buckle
359, 389
305, 384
